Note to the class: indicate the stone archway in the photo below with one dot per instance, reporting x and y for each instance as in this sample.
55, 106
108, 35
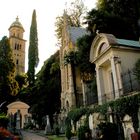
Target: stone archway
19, 110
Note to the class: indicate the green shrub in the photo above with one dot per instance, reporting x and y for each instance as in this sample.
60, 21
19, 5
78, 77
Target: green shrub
83, 133
3, 121
29, 126
68, 132
56, 129
109, 131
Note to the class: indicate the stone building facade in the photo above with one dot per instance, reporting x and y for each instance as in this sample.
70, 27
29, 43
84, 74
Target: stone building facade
18, 113
17, 42
114, 67
69, 37
115, 60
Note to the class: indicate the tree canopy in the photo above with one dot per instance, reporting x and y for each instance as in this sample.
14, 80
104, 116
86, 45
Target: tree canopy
111, 16
73, 17
8, 85
86, 68
45, 96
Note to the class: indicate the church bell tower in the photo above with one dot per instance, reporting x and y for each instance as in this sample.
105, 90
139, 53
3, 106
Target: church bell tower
17, 43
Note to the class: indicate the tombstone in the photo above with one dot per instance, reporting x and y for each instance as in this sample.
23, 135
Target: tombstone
128, 126
48, 127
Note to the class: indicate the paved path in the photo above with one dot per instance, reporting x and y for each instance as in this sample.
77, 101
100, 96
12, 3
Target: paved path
32, 136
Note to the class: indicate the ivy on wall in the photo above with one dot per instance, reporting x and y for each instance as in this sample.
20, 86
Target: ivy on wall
122, 106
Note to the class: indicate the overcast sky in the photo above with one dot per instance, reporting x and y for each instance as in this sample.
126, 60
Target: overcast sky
46, 11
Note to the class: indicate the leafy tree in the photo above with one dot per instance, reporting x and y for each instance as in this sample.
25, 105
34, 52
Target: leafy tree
46, 91
71, 16
76, 11
33, 50
86, 68
106, 22
8, 85
121, 9
22, 80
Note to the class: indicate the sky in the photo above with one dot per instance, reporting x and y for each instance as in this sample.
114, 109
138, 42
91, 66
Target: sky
46, 13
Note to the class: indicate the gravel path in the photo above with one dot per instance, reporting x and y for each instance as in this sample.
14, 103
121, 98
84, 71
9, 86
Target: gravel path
32, 136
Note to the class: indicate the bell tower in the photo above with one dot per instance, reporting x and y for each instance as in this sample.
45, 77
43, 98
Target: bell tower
17, 43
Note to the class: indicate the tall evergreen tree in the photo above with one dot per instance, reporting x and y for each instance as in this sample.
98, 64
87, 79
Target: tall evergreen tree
8, 84
33, 50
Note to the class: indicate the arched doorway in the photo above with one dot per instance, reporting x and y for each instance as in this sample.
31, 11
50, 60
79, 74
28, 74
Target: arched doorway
19, 110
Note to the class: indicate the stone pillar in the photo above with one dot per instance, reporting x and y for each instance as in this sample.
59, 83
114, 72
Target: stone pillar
84, 94
139, 119
118, 69
100, 85
71, 87
115, 81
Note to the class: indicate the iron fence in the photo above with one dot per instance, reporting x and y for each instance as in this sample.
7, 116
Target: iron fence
130, 83
129, 86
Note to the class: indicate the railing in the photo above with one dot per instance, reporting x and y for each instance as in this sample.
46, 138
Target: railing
129, 84
91, 96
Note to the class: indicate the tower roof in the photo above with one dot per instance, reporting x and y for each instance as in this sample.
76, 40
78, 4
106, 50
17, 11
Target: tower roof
16, 23
76, 32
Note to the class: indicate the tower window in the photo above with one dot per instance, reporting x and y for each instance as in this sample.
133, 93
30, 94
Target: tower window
15, 46
20, 47
17, 61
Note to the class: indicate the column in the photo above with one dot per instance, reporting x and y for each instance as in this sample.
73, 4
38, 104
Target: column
118, 68
71, 87
83, 90
100, 85
116, 86
139, 119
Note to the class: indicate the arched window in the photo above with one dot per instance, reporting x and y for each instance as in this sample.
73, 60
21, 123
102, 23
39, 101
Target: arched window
15, 46
103, 47
18, 47
17, 62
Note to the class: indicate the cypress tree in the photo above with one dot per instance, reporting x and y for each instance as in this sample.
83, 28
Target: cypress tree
33, 50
